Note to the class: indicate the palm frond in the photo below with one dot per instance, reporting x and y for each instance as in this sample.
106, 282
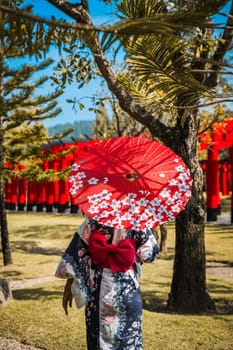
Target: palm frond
205, 6
161, 75
143, 17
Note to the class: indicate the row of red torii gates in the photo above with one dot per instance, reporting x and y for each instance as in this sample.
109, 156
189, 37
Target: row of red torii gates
24, 195
218, 174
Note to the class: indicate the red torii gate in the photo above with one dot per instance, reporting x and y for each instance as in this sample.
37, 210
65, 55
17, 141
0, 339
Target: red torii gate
218, 138
20, 193
55, 194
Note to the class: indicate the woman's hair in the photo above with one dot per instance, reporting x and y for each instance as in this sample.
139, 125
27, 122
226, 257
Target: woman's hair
95, 225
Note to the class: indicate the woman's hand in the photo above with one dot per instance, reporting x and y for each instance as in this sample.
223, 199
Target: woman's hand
86, 233
67, 295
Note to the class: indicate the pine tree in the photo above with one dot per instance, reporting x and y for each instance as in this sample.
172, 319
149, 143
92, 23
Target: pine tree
22, 133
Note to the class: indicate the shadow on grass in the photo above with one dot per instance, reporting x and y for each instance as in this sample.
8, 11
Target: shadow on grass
154, 296
169, 255
154, 302
47, 231
6, 274
36, 294
31, 247
28, 242
223, 263
219, 229
222, 289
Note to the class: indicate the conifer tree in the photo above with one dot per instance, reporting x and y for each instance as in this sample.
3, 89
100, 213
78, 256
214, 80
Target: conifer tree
22, 111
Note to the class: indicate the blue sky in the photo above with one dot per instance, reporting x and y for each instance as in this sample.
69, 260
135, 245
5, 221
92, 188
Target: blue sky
99, 10
100, 14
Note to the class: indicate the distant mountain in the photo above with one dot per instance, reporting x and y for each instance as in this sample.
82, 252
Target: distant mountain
83, 129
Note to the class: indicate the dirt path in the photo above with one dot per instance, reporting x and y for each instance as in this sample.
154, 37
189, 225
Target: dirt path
219, 271
21, 284
10, 344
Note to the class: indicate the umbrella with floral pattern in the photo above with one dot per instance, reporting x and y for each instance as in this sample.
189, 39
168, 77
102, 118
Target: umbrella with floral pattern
130, 182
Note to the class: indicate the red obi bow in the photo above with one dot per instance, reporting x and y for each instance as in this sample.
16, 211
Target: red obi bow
118, 257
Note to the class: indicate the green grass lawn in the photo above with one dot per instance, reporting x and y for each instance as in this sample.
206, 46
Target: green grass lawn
35, 316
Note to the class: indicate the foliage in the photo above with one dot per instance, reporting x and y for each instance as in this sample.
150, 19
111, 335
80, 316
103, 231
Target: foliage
22, 108
24, 135
102, 125
171, 74
118, 123
218, 115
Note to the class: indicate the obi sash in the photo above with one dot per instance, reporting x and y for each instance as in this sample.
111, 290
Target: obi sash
119, 257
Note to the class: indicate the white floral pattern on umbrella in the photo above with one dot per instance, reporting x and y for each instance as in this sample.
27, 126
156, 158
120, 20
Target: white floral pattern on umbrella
136, 190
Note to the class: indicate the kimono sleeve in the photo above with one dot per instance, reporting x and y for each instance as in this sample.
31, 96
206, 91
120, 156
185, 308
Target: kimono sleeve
74, 264
147, 246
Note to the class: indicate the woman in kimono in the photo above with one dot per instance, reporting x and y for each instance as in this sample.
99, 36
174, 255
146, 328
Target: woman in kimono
102, 265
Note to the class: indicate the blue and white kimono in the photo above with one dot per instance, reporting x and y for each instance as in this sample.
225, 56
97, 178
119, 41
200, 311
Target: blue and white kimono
113, 304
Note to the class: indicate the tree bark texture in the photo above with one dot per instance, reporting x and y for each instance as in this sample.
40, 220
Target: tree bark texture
188, 292
163, 238
6, 249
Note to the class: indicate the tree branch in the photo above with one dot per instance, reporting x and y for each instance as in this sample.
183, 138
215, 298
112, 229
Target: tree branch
78, 11
125, 99
223, 46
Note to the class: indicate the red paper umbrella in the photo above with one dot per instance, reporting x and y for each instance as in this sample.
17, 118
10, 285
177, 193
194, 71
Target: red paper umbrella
130, 182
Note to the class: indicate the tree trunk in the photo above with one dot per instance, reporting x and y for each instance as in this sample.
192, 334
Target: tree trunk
6, 250
163, 238
188, 289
